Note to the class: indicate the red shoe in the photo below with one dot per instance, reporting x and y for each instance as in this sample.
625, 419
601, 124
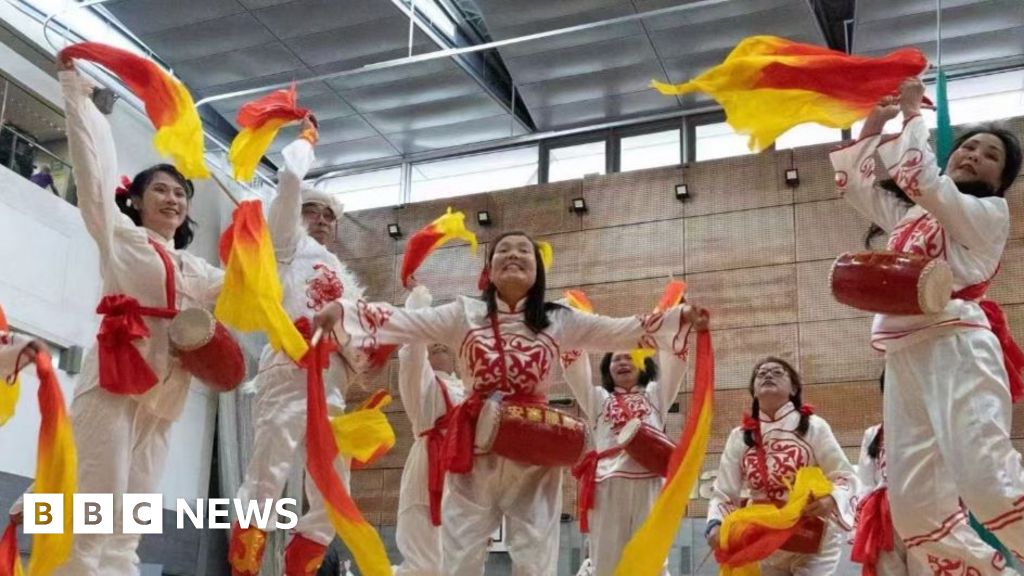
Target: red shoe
303, 557
245, 553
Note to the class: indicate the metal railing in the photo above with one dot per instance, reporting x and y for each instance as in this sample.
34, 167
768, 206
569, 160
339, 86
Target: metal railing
23, 155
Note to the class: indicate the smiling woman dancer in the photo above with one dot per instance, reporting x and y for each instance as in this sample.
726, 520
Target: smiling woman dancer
506, 344
132, 388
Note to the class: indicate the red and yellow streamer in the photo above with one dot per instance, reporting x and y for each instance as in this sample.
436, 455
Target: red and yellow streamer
649, 547
364, 435
751, 534
768, 85
56, 467
674, 293
10, 562
260, 121
450, 226
355, 532
578, 300
251, 296
179, 132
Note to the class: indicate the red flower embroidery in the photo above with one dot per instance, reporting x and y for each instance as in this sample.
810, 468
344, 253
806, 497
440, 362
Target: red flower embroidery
909, 172
784, 457
529, 362
323, 287
622, 408
950, 567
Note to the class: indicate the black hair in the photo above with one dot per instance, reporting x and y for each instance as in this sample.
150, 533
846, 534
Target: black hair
1011, 167
875, 448
796, 398
535, 313
646, 376
184, 234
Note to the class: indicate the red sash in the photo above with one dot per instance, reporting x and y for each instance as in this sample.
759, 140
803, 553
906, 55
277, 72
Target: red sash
1013, 357
435, 455
585, 473
874, 531
123, 370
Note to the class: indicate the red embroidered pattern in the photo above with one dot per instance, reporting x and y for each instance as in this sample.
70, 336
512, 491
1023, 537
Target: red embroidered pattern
924, 236
372, 317
651, 323
909, 172
784, 457
323, 287
529, 361
867, 168
569, 358
621, 408
950, 567
842, 179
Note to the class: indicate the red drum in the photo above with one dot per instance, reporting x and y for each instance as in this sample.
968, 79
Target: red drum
532, 433
207, 350
891, 283
647, 445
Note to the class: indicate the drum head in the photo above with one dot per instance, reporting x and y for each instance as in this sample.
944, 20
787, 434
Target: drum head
935, 287
629, 430
191, 329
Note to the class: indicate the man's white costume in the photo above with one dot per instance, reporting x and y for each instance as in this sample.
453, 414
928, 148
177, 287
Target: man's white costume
122, 438
311, 276
947, 401
428, 397
785, 452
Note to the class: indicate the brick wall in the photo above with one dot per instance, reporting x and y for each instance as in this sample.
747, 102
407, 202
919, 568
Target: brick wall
752, 249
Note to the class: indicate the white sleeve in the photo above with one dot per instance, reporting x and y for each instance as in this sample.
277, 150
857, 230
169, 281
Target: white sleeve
866, 466
726, 492
971, 221
285, 216
579, 377
368, 326
671, 372
91, 144
11, 347
832, 460
855, 179
597, 333
415, 376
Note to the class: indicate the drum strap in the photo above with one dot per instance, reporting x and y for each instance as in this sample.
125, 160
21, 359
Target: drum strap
1013, 356
435, 454
123, 370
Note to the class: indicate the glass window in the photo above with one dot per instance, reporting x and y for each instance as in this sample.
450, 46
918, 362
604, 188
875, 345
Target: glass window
650, 150
367, 190
577, 161
719, 141
474, 174
807, 135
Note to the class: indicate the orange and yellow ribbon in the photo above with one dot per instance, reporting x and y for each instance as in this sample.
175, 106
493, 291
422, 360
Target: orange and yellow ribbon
251, 296
179, 132
647, 550
355, 532
450, 226
578, 300
364, 435
260, 121
768, 85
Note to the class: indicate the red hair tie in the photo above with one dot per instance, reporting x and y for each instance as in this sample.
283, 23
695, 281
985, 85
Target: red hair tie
749, 423
485, 279
126, 184
807, 409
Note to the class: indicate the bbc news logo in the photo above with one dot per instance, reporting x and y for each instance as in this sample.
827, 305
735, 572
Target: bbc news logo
144, 513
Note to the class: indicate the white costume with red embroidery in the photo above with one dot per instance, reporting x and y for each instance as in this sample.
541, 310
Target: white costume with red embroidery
122, 439
528, 496
311, 276
947, 402
11, 360
872, 475
625, 490
786, 452
425, 401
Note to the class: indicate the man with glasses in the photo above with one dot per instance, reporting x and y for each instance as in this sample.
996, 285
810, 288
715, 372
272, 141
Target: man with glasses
302, 223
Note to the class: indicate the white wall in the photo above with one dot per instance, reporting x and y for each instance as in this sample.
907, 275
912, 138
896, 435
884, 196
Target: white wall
49, 284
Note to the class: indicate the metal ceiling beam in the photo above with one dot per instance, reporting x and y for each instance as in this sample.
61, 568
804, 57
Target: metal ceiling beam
438, 54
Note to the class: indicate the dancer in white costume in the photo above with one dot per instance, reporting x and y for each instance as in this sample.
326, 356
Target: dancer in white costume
506, 345
131, 389
947, 393
623, 490
761, 459
302, 223
429, 389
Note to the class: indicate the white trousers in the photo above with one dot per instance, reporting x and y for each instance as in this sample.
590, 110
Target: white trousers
947, 434
279, 443
419, 541
121, 448
899, 563
824, 563
530, 498
620, 507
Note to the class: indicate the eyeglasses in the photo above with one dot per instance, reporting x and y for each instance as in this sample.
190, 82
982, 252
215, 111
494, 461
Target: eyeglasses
775, 372
325, 214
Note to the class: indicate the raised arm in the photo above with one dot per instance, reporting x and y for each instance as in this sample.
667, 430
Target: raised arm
579, 376
415, 376
15, 354
969, 220
285, 216
671, 372
596, 333
854, 165
91, 144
